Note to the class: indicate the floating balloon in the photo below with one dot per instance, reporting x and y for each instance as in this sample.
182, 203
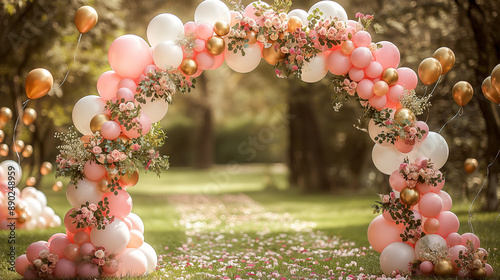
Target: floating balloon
38, 83
495, 77
85, 19
462, 93
490, 92
29, 116
446, 58
470, 165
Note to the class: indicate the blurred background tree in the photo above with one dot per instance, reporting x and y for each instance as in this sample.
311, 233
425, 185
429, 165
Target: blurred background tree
256, 117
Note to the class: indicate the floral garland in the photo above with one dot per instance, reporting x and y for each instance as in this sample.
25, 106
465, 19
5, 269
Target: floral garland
407, 131
420, 172
44, 264
163, 84
91, 215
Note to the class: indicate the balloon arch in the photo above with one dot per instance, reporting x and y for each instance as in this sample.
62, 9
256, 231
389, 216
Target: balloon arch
416, 232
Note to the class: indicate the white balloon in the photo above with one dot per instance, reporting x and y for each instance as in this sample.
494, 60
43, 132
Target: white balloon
244, 63
40, 196
430, 242
85, 190
48, 213
434, 147
300, 14
12, 168
114, 237
56, 221
330, 10
41, 222
387, 158
164, 27
374, 130
137, 222
212, 11
29, 192
84, 110
30, 225
314, 70
396, 256
155, 110
151, 257
167, 55
34, 206
132, 262
250, 8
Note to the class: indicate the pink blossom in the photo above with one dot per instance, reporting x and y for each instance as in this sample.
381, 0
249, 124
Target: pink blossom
37, 262
300, 57
251, 22
130, 105
122, 107
52, 258
339, 25
44, 268
96, 150
284, 49
110, 159
92, 207
322, 31
268, 23
101, 159
99, 254
295, 68
369, 17
359, 15
385, 199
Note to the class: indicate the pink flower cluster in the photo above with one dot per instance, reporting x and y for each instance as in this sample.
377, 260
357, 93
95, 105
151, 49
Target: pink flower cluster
421, 171
89, 216
44, 264
411, 134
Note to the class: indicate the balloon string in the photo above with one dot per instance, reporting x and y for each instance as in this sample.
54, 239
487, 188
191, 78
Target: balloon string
71, 66
460, 112
469, 219
435, 86
15, 128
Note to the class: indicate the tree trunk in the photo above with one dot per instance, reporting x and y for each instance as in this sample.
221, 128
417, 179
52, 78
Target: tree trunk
204, 144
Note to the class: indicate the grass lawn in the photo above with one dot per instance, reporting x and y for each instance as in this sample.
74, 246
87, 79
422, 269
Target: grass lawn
211, 224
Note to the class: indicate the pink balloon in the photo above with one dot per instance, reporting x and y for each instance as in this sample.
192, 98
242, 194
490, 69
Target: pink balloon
87, 270
338, 63
34, 249
446, 198
362, 39
189, 27
86, 249
197, 74
107, 85
200, 45
145, 122
128, 222
361, 57
423, 188
453, 239
219, 60
65, 269
454, 254
125, 94
356, 74
149, 69
407, 78
136, 222
70, 235
448, 222
132, 262
128, 55
120, 204
388, 55
402, 146
58, 244
21, 265
373, 70
110, 130
69, 222
56, 235
426, 267
423, 126
204, 31
94, 171
365, 89
470, 237
129, 83
489, 270
397, 182
29, 274
430, 205
205, 60
112, 268
382, 233
439, 185
395, 92
250, 11
387, 216
378, 102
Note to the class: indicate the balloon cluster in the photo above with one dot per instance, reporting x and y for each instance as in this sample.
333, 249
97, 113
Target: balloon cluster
491, 86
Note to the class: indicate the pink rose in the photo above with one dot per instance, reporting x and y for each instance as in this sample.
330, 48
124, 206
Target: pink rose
101, 159
130, 105
44, 268
93, 207
122, 107
96, 150
99, 254
385, 199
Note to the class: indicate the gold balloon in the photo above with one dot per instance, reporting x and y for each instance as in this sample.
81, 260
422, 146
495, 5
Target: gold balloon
57, 186
4, 150
390, 76
273, 55
103, 184
443, 268
38, 83
129, 180
409, 196
21, 206
294, 22
489, 91
85, 18
19, 146
189, 66
27, 151
446, 58
22, 218
29, 116
380, 88
251, 37
46, 168
98, 120
216, 45
348, 47
478, 273
30, 181
470, 165
429, 70
495, 77
404, 116
5, 114
2, 136
462, 93
221, 28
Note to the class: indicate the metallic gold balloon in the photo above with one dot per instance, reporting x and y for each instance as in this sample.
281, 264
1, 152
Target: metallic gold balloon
380, 88
273, 55
2, 136
129, 180
221, 28
38, 83
189, 66
22, 218
446, 58
390, 76
410, 196
5, 114
495, 77
462, 93
27, 151
216, 45
29, 116
443, 268
103, 184
478, 273
46, 168
21, 206
57, 186
294, 22
404, 116
251, 37
19, 146
489, 91
30, 181
429, 70
98, 120
347, 47
4, 150
470, 165
85, 18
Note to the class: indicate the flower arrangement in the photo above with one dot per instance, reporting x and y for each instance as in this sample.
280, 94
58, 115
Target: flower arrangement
401, 214
472, 259
162, 84
407, 131
44, 264
72, 155
91, 215
100, 257
420, 172
126, 112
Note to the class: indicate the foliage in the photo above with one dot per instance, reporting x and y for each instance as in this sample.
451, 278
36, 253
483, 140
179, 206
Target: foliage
162, 85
